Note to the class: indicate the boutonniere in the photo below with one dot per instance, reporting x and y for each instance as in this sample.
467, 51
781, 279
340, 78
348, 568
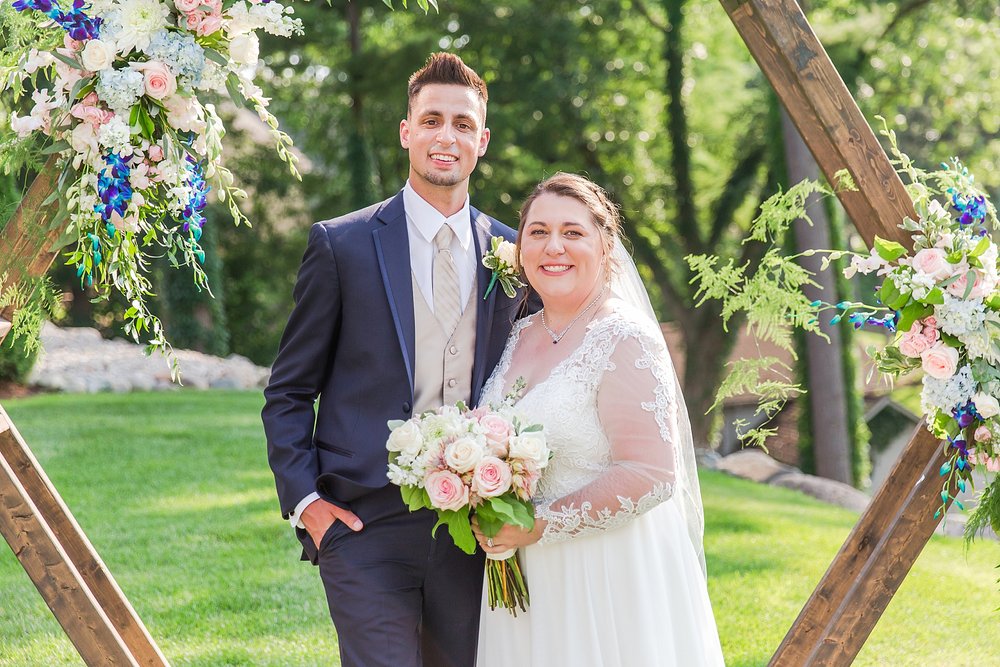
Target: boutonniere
501, 260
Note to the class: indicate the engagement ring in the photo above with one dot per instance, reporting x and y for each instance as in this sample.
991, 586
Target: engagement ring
489, 542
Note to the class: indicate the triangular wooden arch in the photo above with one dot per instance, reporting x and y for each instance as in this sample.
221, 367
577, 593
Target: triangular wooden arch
854, 592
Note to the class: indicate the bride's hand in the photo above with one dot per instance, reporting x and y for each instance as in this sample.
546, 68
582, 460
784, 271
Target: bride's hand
509, 537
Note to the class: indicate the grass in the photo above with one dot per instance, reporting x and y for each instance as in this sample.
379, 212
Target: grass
174, 491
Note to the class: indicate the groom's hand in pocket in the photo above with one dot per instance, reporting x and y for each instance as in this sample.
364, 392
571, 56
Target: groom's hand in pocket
319, 515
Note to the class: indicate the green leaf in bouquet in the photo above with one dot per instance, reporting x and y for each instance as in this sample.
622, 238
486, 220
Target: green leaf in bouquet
514, 511
911, 313
936, 297
56, 147
900, 302
233, 87
490, 522
954, 257
888, 293
970, 281
66, 59
890, 251
216, 57
534, 428
78, 87
414, 497
458, 527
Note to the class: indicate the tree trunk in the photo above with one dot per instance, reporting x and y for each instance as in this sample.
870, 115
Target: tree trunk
359, 157
827, 395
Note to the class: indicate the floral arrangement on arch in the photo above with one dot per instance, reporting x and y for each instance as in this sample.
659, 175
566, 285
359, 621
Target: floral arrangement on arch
119, 91
940, 303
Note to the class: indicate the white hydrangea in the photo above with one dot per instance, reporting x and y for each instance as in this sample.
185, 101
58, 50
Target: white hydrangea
116, 137
946, 394
120, 88
273, 18
982, 343
958, 316
213, 78
921, 284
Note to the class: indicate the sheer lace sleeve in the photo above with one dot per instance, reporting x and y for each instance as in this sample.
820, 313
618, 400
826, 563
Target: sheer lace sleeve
636, 404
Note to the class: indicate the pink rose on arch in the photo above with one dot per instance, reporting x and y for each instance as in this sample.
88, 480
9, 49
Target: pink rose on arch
931, 332
981, 286
983, 434
940, 361
932, 262
446, 490
914, 343
88, 111
160, 82
155, 153
186, 6
491, 478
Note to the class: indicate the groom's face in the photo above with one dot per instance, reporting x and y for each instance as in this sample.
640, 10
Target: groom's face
445, 135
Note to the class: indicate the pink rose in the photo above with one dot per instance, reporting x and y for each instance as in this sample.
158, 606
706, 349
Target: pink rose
89, 111
155, 153
497, 432
931, 332
940, 361
186, 6
491, 478
983, 434
203, 24
159, 80
933, 262
446, 490
913, 342
525, 479
980, 286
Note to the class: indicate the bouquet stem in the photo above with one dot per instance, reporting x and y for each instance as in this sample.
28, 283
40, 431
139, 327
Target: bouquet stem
505, 585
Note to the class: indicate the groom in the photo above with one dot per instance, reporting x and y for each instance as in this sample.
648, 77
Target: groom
390, 320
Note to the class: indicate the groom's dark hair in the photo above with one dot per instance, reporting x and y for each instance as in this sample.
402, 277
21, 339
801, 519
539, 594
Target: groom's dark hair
446, 68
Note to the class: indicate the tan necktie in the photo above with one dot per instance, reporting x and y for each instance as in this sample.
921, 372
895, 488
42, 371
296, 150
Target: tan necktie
447, 299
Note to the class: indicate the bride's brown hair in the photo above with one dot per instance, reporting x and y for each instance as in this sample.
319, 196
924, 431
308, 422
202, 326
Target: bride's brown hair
603, 211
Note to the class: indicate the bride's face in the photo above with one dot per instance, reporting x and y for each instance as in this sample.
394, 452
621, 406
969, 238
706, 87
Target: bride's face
562, 251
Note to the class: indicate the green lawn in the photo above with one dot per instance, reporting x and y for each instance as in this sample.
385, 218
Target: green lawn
174, 491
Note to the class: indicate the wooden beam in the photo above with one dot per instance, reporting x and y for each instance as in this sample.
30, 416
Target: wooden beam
81, 555
821, 107
52, 572
858, 586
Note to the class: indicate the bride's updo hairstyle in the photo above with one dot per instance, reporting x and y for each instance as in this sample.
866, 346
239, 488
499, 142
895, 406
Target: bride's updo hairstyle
603, 212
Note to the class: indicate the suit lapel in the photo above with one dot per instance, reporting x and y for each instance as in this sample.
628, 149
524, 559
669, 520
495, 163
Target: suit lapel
392, 247
484, 307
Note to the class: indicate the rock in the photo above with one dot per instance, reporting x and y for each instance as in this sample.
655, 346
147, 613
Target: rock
827, 490
753, 464
79, 360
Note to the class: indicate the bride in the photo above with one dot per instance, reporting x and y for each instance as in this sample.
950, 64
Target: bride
614, 565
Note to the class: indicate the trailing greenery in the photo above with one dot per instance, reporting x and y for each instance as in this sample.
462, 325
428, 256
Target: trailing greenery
196, 541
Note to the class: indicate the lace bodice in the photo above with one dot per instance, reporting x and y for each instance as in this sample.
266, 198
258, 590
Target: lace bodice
609, 415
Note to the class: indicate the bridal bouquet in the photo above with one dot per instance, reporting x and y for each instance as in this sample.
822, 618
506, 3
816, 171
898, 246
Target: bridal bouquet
119, 90
455, 461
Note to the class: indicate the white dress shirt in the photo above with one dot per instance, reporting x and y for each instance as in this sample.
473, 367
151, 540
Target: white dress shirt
423, 222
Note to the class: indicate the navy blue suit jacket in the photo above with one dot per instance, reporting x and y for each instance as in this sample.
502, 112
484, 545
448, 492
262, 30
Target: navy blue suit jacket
349, 343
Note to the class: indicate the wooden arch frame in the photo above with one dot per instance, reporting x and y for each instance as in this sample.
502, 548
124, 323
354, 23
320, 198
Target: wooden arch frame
854, 592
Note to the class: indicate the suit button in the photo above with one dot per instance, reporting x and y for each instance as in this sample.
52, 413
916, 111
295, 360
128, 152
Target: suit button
452, 382
453, 350
406, 407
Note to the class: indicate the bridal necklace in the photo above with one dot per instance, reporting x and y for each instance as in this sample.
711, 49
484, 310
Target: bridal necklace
556, 337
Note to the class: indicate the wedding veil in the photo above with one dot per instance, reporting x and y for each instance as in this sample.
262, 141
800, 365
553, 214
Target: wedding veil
628, 286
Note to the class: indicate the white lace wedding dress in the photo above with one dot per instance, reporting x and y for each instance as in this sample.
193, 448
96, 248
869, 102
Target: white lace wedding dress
616, 580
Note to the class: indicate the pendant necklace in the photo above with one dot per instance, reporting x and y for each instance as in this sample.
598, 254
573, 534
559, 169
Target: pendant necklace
556, 337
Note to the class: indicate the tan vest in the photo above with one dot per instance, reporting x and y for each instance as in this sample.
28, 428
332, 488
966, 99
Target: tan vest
443, 367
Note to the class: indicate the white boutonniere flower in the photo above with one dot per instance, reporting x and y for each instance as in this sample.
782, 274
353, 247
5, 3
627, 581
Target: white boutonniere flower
501, 260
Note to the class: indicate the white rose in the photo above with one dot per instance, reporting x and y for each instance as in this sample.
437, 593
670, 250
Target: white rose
463, 454
406, 439
530, 446
245, 48
97, 55
507, 252
986, 405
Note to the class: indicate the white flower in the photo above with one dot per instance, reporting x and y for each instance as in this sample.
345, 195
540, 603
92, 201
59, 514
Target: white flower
97, 55
24, 125
507, 253
530, 446
406, 439
463, 454
115, 136
132, 23
37, 59
83, 139
945, 394
986, 405
937, 212
245, 48
958, 317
